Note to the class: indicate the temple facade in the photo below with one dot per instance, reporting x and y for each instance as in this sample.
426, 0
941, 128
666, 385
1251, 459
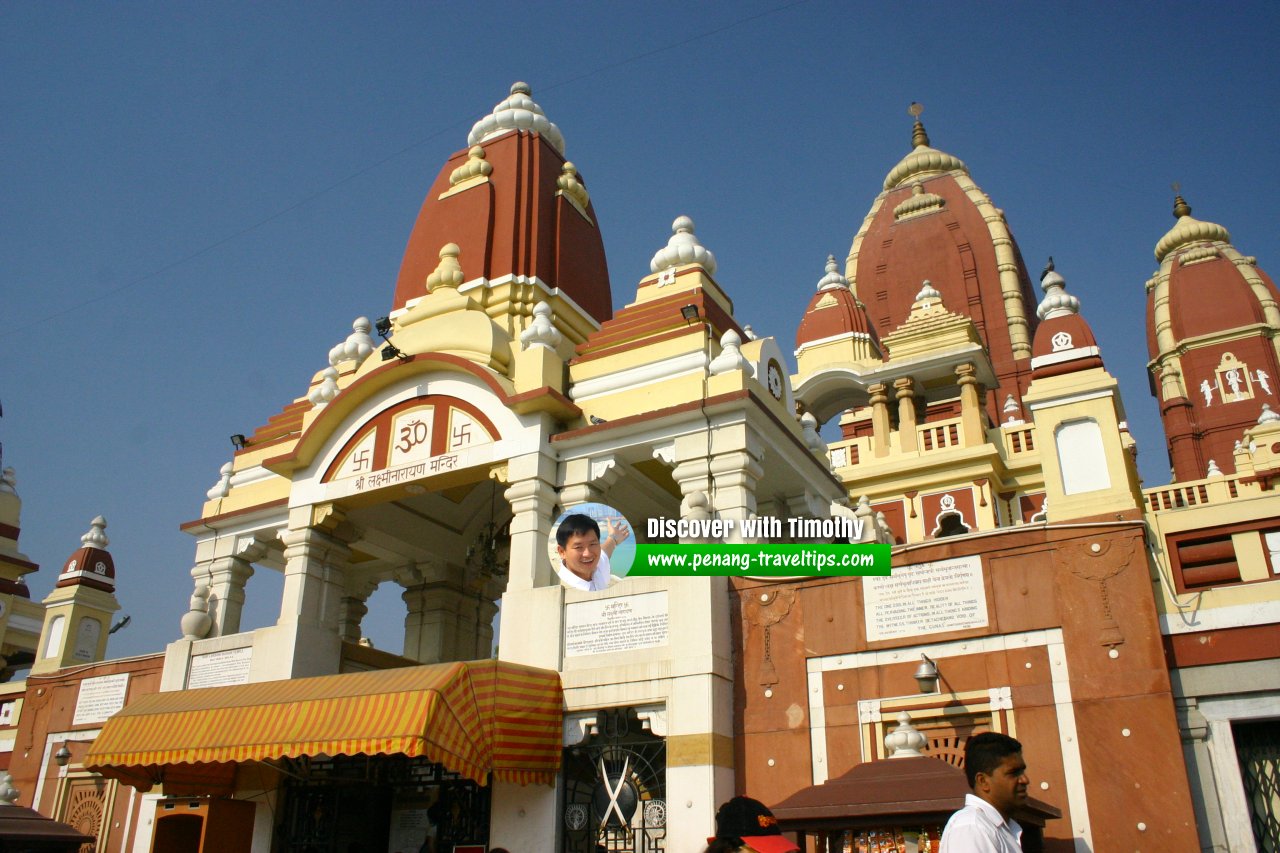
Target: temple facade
1127, 636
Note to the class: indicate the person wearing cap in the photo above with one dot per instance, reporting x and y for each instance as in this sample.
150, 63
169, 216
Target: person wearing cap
744, 825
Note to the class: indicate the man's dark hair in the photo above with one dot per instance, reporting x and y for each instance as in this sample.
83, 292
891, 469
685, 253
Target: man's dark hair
985, 752
575, 523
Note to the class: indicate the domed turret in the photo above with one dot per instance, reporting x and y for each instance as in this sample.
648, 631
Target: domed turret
1212, 321
834, 313
932, 222
514, 207
1064, 342
91, 564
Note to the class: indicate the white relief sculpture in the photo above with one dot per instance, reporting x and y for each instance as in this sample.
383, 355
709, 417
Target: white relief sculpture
1207, 390
1263, 380
1061, 341
1233, 379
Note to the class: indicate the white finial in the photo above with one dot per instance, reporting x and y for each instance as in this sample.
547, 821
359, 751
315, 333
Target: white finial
906, 740
8, 793
1268, 416
196, 622
1239, 446
97, 535
730, 357
1213, 469
751, 333
8, 482
809, 430
541, 332
1057, 302
222, 488
358, 345
683, 248
833, 278
327, 389
517, 112
927, 291
1010, 405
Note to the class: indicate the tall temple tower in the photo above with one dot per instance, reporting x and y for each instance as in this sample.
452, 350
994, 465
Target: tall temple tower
79, 609
20, 617
1212, 326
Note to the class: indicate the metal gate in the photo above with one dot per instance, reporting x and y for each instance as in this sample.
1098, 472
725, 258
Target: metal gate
615, 788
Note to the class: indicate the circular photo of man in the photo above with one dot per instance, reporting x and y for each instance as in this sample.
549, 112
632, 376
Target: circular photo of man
591, 547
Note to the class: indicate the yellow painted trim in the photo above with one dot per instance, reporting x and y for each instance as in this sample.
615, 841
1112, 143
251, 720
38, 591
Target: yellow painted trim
700, 750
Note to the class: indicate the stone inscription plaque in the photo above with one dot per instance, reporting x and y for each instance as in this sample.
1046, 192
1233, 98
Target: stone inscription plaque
615, 624
927, 598
218, 669
99, 698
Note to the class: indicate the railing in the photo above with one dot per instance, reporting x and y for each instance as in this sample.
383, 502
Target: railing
938, 436
1196, 493
1021, 440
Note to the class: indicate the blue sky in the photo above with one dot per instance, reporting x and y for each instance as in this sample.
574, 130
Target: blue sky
198, 199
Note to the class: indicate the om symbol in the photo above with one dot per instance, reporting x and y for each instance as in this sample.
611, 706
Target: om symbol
411, 435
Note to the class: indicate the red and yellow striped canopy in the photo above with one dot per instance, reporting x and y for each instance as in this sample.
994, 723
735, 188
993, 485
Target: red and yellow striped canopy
475, 718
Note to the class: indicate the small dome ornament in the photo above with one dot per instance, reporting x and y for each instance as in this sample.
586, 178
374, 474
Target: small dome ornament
1057, 302
475, 167
730, 357
906, 740
448, 274
541, 332
833, 279
358, 345
196, 622
1188, 230
96, 537
922, 159
1268, 416
517, 112
683, 248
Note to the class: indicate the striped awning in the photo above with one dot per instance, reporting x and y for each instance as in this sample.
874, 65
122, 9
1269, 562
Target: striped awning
475, 718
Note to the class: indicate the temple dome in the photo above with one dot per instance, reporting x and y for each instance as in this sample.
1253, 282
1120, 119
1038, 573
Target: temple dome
1064, 342
90, 564
834, 311
516, 210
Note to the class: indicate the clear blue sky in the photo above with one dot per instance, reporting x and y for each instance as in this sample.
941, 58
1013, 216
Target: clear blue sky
198, 199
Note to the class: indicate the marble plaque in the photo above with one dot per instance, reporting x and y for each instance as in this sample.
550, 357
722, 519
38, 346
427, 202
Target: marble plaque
927, 598
619, 624
99, 698
218, 669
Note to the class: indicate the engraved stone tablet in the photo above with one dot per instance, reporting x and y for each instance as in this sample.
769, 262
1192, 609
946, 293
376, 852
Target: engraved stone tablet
615, 624
99, 698
218, 669
927, 598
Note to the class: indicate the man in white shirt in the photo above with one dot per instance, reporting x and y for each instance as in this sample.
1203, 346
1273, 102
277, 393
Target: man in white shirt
584, 559
998, 776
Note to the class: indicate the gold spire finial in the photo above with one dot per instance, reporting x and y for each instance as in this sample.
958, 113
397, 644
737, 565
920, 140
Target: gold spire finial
918, 135
1180, 206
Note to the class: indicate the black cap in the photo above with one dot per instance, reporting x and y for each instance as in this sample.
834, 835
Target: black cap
751, 821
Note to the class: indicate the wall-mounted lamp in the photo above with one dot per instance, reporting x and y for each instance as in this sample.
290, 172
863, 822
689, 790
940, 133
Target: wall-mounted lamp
383, 327
237, 441
689, 313
62, 756
927, 675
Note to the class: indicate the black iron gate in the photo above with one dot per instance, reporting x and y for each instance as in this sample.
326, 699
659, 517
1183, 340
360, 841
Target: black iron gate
615, 788
357, 804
